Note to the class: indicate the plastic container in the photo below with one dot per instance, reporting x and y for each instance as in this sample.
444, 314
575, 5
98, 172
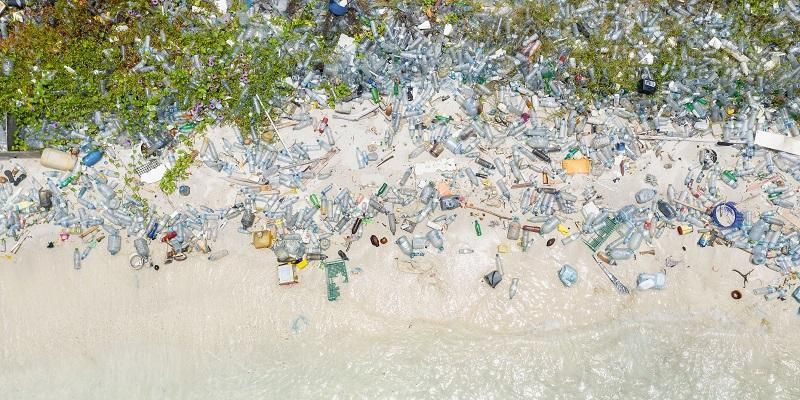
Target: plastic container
567, 275
57, 159
336, 8
651, 281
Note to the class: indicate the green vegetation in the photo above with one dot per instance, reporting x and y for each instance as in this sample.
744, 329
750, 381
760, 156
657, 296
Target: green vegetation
179, 172
86, 61
336, 92
79, 60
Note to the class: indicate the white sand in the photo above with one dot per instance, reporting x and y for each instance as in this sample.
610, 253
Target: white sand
204, 330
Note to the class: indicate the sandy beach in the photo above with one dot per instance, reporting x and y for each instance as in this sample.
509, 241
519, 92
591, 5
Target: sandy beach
202, 330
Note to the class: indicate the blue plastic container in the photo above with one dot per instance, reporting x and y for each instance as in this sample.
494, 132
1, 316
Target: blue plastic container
567, 275
336, 9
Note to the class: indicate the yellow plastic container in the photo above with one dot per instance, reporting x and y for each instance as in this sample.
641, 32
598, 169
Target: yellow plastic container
580, 166
57, 159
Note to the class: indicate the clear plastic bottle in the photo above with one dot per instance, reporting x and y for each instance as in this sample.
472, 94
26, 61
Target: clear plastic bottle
114, 243
549, 225
512, 291
76, 258
620, 254
514, 229
142, 249
405, 245
217, 255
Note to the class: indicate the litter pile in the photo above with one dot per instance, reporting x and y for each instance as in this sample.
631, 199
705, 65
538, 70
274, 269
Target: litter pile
513, 106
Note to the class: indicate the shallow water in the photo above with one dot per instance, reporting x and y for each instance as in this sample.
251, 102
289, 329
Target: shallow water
202, 330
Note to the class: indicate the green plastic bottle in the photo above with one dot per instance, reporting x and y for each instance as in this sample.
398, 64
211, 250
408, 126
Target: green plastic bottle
382, 189
376, 95
571, 153
478, 228
314, 200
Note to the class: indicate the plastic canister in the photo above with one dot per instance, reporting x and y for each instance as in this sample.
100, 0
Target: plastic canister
57, 159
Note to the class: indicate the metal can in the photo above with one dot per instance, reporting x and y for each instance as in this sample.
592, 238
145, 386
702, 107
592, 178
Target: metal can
705, 239
45, 198
436, 150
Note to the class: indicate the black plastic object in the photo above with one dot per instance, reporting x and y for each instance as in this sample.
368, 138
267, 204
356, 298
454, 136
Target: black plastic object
356, 225
541, 155
647, 86
248, 218
449, 202
493, 278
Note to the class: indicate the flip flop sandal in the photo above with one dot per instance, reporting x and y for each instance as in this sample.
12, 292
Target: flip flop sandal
20, 179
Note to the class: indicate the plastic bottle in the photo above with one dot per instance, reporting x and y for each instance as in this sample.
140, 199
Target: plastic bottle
504, 189
514, 229
114, 243
392, 222
498, 164
512, 291
76, 258
217, 255
478, 228
405, 245
645, 195
549, 225
758, 230
620, 254
405, 176
142, 249
435, 238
